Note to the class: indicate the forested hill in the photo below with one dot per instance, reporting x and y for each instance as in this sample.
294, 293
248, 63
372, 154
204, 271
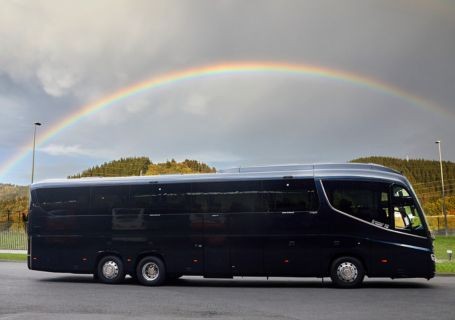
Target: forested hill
135, 166
416, 170
186, 166
144, 166
425, 176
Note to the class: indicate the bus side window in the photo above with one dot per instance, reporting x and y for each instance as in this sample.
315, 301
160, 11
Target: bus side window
226, 197
143, 196
63, 201
239, 197
105, 199
174, 198
200, 197
291, 195
368, 201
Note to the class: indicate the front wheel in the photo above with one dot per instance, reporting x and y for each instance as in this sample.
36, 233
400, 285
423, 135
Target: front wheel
151, 271
347, 272
110, 270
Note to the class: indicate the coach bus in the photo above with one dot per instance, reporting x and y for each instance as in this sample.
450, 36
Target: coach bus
343, 221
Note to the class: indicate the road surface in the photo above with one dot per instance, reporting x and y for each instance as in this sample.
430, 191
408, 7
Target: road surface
26, 294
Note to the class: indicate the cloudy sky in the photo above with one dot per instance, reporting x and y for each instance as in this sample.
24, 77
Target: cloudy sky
58, 56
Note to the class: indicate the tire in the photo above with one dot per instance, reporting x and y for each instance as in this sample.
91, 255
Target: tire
151, 271
110, 270
347, 272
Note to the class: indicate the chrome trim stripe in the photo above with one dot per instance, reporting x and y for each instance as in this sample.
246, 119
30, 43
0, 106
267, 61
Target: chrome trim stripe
358, 219
404, 245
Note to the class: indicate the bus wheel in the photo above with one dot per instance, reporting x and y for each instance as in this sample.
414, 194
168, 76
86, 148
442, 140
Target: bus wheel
347, 272
110, 270
151, 271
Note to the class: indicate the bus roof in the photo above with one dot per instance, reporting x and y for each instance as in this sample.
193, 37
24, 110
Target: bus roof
341, 170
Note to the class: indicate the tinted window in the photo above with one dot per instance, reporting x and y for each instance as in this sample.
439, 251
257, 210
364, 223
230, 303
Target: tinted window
368, 201
104, 199
144, 196
290, 195
227, 197
174, 198
63, 200
162, 198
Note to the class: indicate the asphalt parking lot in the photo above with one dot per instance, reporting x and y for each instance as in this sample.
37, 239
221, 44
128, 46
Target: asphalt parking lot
26, 294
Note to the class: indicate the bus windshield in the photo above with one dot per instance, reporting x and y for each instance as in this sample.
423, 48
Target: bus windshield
406, 213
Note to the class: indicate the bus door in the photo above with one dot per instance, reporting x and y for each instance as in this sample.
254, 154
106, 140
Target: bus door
293, 245
216, 248
246, 207
169, 226
206, 200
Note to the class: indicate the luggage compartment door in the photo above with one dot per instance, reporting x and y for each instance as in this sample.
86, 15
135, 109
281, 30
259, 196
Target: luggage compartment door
216, 247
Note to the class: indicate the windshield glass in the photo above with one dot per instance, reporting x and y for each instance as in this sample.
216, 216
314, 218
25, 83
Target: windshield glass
406, 213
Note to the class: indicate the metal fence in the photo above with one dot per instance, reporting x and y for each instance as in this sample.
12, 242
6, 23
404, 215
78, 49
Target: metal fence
13, 240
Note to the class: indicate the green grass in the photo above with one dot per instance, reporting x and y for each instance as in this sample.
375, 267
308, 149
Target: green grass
13, 256
441, 245
445, 267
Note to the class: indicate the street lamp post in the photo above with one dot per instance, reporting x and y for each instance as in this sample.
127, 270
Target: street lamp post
444, 213
37, 124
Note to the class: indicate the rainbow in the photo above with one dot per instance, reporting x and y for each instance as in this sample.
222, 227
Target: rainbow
234, 68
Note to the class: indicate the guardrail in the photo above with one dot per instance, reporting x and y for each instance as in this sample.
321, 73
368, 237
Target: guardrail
437, 223
13, 240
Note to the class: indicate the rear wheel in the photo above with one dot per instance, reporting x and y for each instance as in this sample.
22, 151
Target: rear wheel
110, 270
151, 271
347, 272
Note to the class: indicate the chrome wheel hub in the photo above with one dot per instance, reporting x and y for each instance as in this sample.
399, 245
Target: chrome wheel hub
150, 271
347, 272
110, 269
